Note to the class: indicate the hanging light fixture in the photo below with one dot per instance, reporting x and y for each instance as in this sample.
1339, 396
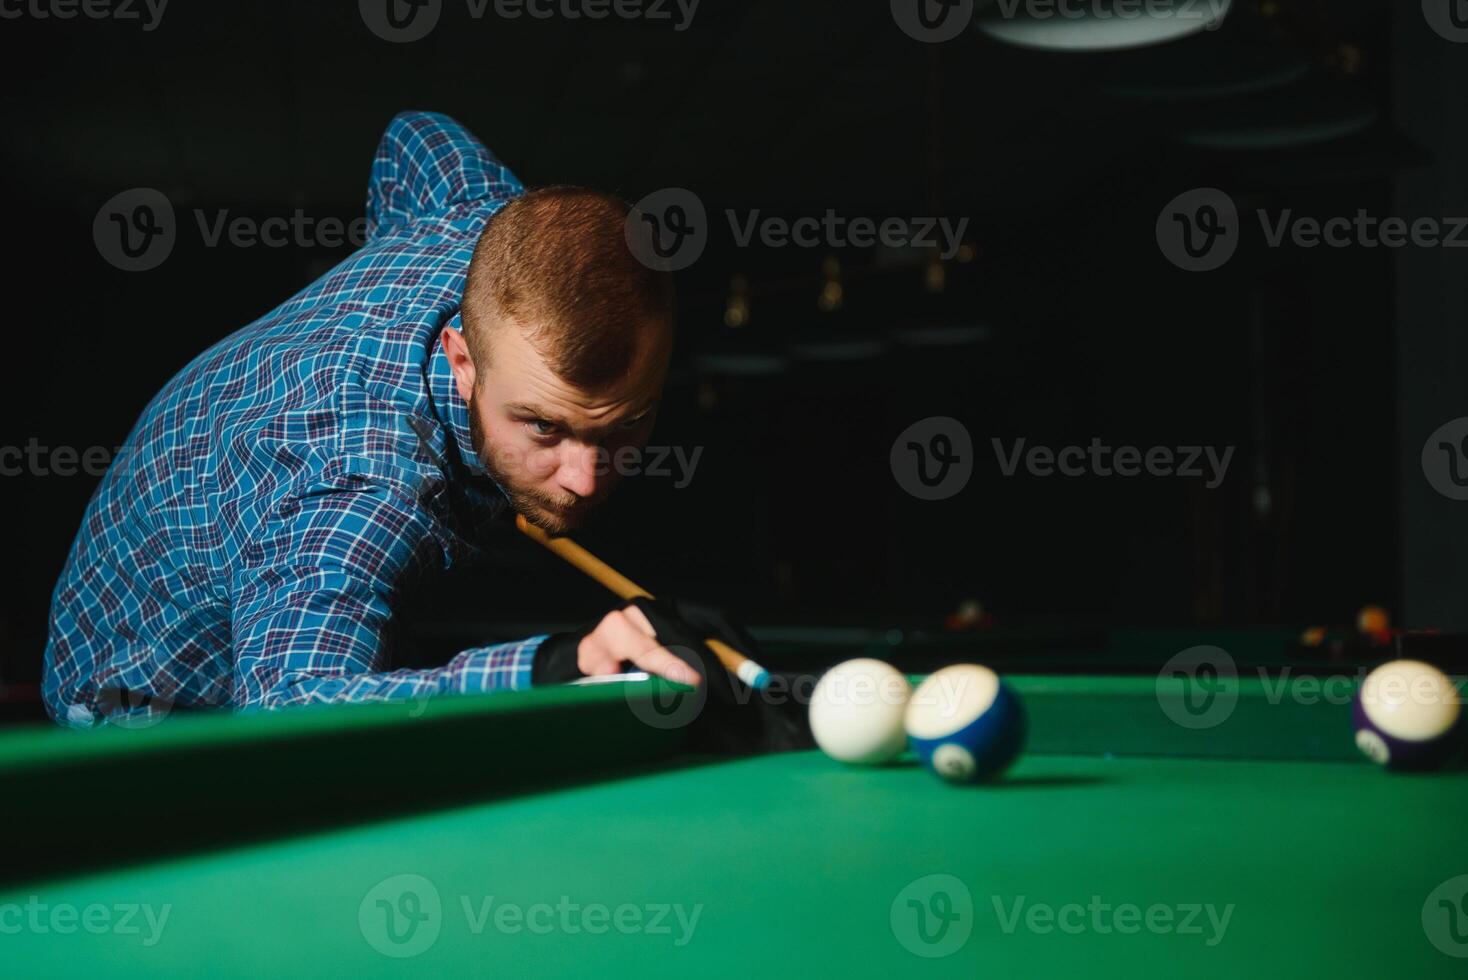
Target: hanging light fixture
1098, 25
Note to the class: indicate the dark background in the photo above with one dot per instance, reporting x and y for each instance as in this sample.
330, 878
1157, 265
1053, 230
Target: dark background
1325, 368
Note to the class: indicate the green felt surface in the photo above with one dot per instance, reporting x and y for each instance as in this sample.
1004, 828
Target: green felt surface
50, 745
117, 795
1248, 716
193, 782
794, 864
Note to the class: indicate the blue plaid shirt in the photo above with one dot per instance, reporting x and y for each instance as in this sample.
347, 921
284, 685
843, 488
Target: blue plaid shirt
276, 498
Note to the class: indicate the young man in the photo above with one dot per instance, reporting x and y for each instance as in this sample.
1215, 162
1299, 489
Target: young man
484, 351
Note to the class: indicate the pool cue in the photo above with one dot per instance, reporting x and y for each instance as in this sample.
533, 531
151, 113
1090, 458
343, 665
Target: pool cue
734, 662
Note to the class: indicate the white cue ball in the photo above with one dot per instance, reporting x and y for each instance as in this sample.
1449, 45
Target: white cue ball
857, 709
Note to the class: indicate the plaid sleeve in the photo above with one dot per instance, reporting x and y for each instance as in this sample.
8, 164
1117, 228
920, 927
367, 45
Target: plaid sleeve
426, 163
312, 606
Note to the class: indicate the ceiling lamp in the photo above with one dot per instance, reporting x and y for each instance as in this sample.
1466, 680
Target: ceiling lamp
1098, 25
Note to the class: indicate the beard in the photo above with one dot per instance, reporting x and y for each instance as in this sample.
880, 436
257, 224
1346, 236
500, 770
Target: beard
552, 513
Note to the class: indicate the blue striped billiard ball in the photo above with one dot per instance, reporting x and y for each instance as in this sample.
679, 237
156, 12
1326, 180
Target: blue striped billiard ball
1407, 715
965, 724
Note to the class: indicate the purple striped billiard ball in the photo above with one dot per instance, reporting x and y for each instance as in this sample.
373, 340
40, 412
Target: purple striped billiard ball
1408, 715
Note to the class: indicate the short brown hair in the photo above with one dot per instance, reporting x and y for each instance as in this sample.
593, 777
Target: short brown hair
557, 260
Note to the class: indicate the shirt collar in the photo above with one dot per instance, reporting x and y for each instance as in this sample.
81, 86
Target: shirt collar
449, 405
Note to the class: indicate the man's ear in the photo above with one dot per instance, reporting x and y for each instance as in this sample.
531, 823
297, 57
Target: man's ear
457, 349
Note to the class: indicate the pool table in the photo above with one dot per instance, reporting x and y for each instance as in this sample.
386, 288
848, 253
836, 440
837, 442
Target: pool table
567, 832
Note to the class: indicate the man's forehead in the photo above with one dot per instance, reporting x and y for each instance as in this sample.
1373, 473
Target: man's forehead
527, 384
580, 414
537, 393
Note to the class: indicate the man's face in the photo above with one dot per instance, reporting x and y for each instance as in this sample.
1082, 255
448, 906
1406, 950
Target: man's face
551, 446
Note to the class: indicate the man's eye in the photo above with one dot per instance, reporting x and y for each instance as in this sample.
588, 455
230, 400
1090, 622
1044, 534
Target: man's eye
634, 423
541, 427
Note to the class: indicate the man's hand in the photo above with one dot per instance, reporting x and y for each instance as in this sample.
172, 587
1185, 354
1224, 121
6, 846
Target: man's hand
624, 635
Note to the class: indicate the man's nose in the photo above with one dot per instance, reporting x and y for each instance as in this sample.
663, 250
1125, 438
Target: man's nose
579, 472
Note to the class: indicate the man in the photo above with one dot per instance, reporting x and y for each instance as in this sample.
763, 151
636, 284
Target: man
484, 351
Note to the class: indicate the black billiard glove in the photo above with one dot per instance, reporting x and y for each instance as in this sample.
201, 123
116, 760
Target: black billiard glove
556, 660
735, 719
711, 622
